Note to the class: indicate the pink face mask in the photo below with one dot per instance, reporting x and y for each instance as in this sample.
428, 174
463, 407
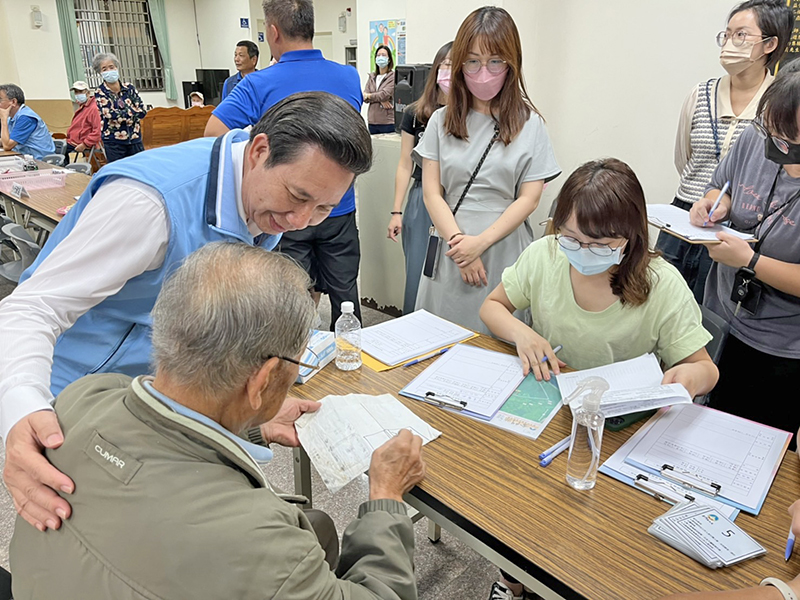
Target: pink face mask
443, 79
485, 85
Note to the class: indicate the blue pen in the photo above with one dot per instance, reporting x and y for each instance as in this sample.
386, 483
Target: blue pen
555, 350
716, 204
549, 458
789, 545
555, 447
421, 358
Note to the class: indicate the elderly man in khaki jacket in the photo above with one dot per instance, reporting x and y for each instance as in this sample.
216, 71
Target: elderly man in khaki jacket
169, 503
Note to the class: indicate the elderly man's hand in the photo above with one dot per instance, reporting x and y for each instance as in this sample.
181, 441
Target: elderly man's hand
28, 475
5, 113
396, 467
280, 430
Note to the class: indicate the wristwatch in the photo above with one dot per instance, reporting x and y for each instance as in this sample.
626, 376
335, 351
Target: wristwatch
255, 436
782, 586
752, 264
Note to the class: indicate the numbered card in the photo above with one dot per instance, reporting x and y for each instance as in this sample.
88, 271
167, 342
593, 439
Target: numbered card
18, 191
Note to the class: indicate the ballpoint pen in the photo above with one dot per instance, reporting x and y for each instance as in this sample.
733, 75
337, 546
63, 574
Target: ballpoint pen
789, 545
555, 447
555, 350
421, 358
716, 204
549, 458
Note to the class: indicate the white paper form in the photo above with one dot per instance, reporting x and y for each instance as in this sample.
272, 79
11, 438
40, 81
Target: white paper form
740, 455
341, 436
481, 378
412, 335
624, 402
641, 372
672, 218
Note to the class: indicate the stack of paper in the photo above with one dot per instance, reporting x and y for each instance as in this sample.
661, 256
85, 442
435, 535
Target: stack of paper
479, 380
341, 436
416, 334
675, 221
705, 535
634, 386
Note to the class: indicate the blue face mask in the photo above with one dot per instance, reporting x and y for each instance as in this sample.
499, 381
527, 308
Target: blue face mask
587, 262
81, 98
382, 61
111, 76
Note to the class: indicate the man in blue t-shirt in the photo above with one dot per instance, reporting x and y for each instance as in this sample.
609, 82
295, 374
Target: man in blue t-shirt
245, 57
330, 251
21, 129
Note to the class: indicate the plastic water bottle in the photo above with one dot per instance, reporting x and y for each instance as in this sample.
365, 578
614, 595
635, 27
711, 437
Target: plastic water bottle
348, 339
587, 436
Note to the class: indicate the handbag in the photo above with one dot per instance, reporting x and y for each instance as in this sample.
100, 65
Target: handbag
434, 241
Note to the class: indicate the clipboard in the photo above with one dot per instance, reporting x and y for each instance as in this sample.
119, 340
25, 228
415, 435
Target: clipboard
675, 221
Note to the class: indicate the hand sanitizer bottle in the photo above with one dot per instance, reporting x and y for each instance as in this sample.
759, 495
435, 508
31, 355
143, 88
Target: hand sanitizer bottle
587, 436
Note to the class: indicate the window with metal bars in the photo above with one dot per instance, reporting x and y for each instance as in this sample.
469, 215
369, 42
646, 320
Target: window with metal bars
124, 28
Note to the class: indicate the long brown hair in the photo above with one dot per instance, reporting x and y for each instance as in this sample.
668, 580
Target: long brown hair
608, 202
493, 29
429, 100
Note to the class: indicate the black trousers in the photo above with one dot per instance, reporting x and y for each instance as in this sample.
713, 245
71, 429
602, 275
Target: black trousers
115, 151
330, 253
758, 386
326, 534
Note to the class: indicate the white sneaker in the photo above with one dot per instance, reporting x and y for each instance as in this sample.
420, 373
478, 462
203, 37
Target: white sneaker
500, 591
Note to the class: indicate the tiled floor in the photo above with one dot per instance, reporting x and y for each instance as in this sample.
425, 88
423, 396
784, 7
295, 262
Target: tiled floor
447, 570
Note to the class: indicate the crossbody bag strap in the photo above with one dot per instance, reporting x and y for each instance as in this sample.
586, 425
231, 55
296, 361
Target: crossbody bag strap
478, 168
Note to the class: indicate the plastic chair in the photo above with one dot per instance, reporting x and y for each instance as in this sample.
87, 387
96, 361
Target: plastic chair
25, 247
83, 167
719, 329
61, 147
54, 159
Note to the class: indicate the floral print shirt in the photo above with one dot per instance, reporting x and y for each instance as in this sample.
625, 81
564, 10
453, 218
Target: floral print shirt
121, 113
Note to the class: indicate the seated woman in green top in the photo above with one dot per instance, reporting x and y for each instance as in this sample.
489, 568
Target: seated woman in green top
596, 289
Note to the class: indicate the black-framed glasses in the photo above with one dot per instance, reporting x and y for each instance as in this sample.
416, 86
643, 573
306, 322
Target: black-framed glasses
312, 365
570, 243
738, 38
495, 66
781, 144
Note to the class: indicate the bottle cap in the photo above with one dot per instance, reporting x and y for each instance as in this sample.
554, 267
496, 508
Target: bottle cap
347, 307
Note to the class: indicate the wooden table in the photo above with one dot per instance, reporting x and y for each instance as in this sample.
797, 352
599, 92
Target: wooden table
43, 204
484, 485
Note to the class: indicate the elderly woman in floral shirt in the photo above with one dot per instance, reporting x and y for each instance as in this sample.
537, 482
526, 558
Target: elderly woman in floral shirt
121, 110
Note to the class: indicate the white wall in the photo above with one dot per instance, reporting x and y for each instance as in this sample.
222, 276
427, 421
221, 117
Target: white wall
8, 63
326, 19
37, 53
219, 31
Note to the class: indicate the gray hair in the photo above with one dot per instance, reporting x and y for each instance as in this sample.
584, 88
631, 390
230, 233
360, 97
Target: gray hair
102, 57
316, 119
294, 18
13, 92
227, 309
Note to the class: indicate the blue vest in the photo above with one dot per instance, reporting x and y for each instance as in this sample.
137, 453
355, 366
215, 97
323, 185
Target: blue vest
114, 336
40, 142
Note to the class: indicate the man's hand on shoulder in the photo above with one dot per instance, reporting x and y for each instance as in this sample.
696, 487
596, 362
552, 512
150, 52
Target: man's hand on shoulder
396, 467
28, 475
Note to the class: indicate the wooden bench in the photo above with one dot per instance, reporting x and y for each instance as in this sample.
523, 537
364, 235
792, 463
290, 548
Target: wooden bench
167, 126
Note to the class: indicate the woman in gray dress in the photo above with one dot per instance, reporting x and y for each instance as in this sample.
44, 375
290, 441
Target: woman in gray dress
489, 229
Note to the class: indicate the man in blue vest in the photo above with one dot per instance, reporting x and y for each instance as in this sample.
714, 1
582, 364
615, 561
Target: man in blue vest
329, 252
21, 129
84, 306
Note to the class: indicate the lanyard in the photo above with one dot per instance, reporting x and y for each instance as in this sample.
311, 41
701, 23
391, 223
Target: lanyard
713, 117
768, 214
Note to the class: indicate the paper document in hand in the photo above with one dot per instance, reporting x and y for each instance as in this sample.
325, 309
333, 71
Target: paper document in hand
740, 455
676, 221
341, 436
409, 336
641, 372
625, 402
481, 378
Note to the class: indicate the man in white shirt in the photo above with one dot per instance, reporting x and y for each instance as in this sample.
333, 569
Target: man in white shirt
84, 306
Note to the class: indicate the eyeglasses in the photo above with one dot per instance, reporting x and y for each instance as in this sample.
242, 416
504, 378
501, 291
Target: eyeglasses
738, 38
570, 243
495, 66
313, 365
779, 143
